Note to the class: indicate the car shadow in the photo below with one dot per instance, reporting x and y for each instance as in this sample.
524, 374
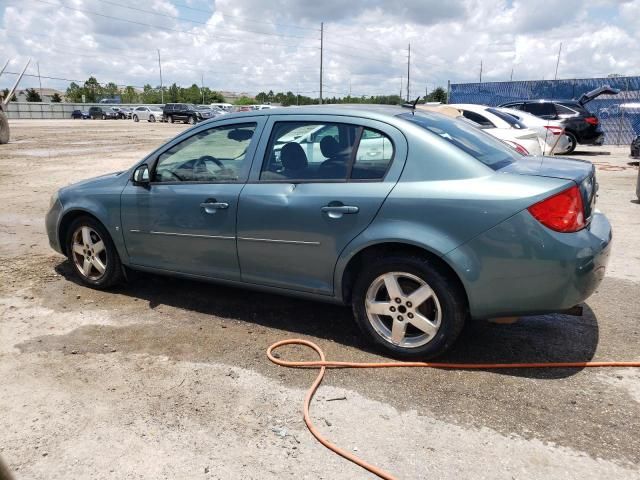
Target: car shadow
588, 153
541, 338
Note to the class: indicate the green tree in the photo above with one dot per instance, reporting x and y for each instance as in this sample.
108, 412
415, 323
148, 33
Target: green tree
245, 101
33, 95
110, 90
437, 95
5, 92
55, 98
74, 93
129, 95
262, 98
92, 90
150, 95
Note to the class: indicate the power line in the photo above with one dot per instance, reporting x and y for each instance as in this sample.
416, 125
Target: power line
72, 80
166, 15
134, 22
246, 19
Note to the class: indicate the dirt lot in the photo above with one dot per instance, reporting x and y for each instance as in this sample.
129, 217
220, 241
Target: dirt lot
167, 378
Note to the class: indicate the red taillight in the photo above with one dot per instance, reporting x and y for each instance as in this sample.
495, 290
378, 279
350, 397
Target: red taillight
563, 212
517, 147
591, 120
554, 130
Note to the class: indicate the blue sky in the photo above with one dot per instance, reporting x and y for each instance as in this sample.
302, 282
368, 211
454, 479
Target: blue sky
254, 45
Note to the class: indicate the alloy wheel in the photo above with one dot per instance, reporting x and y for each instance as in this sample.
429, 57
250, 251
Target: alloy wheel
403, 309
89, 253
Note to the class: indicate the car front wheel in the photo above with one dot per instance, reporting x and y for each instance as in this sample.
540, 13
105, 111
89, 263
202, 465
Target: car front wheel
170, 119
408, 308
135, 118
191, 120
92, 253
152, 119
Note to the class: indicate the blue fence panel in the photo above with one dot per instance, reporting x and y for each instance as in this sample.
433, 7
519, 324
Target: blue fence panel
619, 114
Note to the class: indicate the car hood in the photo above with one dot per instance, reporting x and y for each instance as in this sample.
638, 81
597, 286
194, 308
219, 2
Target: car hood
95, 181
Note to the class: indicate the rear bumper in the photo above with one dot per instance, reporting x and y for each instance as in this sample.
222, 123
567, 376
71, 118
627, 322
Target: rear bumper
522, 268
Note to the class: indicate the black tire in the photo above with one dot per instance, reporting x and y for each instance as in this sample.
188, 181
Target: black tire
573, 142
113, 272
170, 119
191, 120
152, 119
135, 118
104, 117
451, 298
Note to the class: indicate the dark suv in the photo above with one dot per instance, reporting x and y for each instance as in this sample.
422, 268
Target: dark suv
182, 112
103, 113
581, 126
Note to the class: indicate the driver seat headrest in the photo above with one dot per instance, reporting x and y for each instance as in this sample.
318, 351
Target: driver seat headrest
329, 147
293, 157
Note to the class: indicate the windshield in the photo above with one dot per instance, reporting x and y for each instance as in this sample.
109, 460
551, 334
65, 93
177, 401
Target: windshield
471, 140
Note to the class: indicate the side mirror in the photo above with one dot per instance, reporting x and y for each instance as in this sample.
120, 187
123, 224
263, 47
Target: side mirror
141, 175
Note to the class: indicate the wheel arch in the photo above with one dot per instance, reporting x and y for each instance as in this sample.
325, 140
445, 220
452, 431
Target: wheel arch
370, 252
65, 223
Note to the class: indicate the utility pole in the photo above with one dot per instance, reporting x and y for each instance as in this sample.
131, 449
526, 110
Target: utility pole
511, 78
321, 53
555, 77
401, 87
202, 86
480, 70
161, 87
408, 71
39, 79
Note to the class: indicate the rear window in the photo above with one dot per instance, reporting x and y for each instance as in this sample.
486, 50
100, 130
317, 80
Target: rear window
471, 140
510, 119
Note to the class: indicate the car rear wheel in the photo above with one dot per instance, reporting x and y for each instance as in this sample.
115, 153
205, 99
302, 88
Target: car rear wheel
170, 119
573, 142
409, 309
152, 119
135, 118
94, 257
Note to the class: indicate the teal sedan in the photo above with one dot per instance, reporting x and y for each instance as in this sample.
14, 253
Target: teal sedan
420, 222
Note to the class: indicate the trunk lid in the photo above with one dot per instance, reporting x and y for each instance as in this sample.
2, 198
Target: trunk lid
581, 172
605, 89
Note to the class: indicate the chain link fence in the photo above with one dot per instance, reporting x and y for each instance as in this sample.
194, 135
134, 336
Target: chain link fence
619, 114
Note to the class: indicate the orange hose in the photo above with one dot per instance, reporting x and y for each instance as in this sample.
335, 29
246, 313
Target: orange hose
323, 364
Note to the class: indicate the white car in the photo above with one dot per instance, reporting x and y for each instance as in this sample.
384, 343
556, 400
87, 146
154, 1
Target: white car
227, 107
150, 114
550, 132
502, 126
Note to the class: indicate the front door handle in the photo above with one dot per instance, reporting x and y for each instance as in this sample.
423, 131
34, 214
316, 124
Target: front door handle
211, 205
344, 209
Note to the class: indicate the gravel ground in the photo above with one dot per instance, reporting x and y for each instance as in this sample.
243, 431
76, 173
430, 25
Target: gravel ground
166, 378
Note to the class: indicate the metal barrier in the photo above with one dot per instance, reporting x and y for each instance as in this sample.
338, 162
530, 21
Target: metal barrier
41, 110
619, 114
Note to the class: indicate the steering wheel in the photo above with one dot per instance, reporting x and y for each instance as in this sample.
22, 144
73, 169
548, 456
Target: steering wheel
207, 158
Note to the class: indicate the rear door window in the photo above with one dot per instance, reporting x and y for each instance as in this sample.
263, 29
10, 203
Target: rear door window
374, 155
540, 109
477, 118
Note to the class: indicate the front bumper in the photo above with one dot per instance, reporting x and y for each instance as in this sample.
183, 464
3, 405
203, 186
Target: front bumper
523, 268
52, 220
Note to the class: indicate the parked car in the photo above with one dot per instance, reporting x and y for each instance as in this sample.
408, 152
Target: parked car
227, 107
80, 114
150, 114
450, 225
635, 147
181, 112
502, 126
581, 126
551, 134
125, 112
104, 113
206, 112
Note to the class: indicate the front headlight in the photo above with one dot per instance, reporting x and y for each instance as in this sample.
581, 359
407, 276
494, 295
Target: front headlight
53, 200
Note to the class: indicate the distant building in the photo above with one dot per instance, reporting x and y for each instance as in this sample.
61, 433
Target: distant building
231, 97
45, 94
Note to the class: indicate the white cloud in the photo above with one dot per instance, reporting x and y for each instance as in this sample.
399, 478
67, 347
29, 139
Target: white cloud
366, 41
